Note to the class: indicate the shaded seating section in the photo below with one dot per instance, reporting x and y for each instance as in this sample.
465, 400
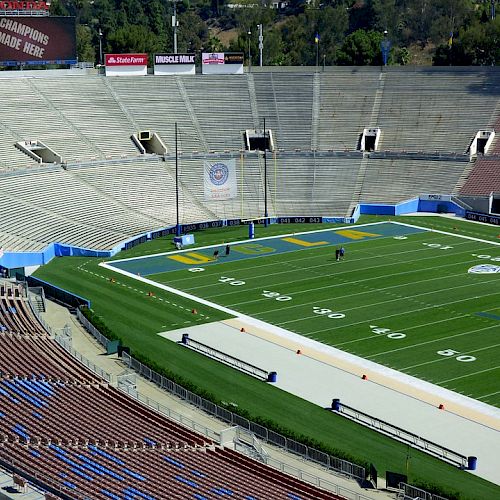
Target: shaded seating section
152, 473
484, 178
397, 180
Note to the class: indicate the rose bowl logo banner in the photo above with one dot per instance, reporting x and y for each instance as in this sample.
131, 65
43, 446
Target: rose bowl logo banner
484, 269
212, 58
126, 60
220, 180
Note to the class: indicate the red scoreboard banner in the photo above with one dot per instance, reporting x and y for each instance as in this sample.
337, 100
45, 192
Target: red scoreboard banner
17, 6
37, 40
126, 59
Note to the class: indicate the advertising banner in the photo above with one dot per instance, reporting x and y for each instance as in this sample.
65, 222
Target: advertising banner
37, 40
126, 64
220, 180
435, 197
16, 6
221, 63
174, 64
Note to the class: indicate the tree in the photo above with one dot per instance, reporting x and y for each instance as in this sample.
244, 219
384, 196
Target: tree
84, 47
361, 48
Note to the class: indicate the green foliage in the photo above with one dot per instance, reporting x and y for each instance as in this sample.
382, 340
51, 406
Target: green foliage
84, 44
361, 48
436, 490
348, 29
98, 323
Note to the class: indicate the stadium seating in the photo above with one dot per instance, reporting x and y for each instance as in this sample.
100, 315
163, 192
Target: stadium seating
76, 434
107, 193
484, 178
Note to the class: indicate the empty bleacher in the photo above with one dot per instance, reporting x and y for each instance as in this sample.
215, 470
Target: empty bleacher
72, 433
484, 179
395, 180
436, 109
347, 98
108, 194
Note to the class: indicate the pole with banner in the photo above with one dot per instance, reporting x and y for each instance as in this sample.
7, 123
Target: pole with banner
177, 225
266, 221
316, 41
385, 47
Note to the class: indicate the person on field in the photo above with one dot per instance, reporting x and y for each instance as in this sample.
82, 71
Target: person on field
342, 252
216, 254
337, 254
228, 249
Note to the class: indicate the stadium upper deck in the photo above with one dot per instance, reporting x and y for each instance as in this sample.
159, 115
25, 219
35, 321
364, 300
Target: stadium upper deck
317, 120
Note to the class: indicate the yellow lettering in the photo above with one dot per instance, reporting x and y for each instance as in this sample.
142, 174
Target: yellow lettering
190, 258
356, 235
303, 243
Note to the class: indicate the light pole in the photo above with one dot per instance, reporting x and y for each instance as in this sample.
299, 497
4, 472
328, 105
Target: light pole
174, 24
261, 43
249, 53
100, 46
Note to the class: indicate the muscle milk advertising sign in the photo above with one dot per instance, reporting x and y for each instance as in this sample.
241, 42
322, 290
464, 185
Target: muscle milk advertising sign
175, 64
126, 64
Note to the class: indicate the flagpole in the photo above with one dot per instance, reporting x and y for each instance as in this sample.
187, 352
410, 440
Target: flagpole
265, 176
316, 41
177, 226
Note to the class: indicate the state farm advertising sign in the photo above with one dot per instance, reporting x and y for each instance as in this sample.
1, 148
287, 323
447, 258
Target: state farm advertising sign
126, 64
37, 40
126, 59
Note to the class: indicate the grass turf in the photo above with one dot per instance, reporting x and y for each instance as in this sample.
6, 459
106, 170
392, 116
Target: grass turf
392, 301
136, 318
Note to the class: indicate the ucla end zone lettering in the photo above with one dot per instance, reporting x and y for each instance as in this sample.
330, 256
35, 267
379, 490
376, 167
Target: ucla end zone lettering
209, 256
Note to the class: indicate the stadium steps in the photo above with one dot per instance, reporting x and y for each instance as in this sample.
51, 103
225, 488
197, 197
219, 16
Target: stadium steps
121, 104
315, 110
192, 114
129, 208
253, 100
463, 178
57, 144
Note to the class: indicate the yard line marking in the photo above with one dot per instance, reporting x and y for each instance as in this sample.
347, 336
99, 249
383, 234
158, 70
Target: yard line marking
444, 358
430, 341
288, 263
409, 297
370, 290
394, 315
488, 395
335, 275
469, 374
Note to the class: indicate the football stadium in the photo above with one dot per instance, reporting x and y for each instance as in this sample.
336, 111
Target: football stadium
276, 283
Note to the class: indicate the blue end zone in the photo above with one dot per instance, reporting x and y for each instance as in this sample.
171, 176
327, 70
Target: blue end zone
174, 261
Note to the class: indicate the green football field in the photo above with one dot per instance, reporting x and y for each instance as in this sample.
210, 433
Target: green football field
124, 305
423, 302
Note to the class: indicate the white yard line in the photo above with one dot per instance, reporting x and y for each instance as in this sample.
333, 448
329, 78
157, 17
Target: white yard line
303, 341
